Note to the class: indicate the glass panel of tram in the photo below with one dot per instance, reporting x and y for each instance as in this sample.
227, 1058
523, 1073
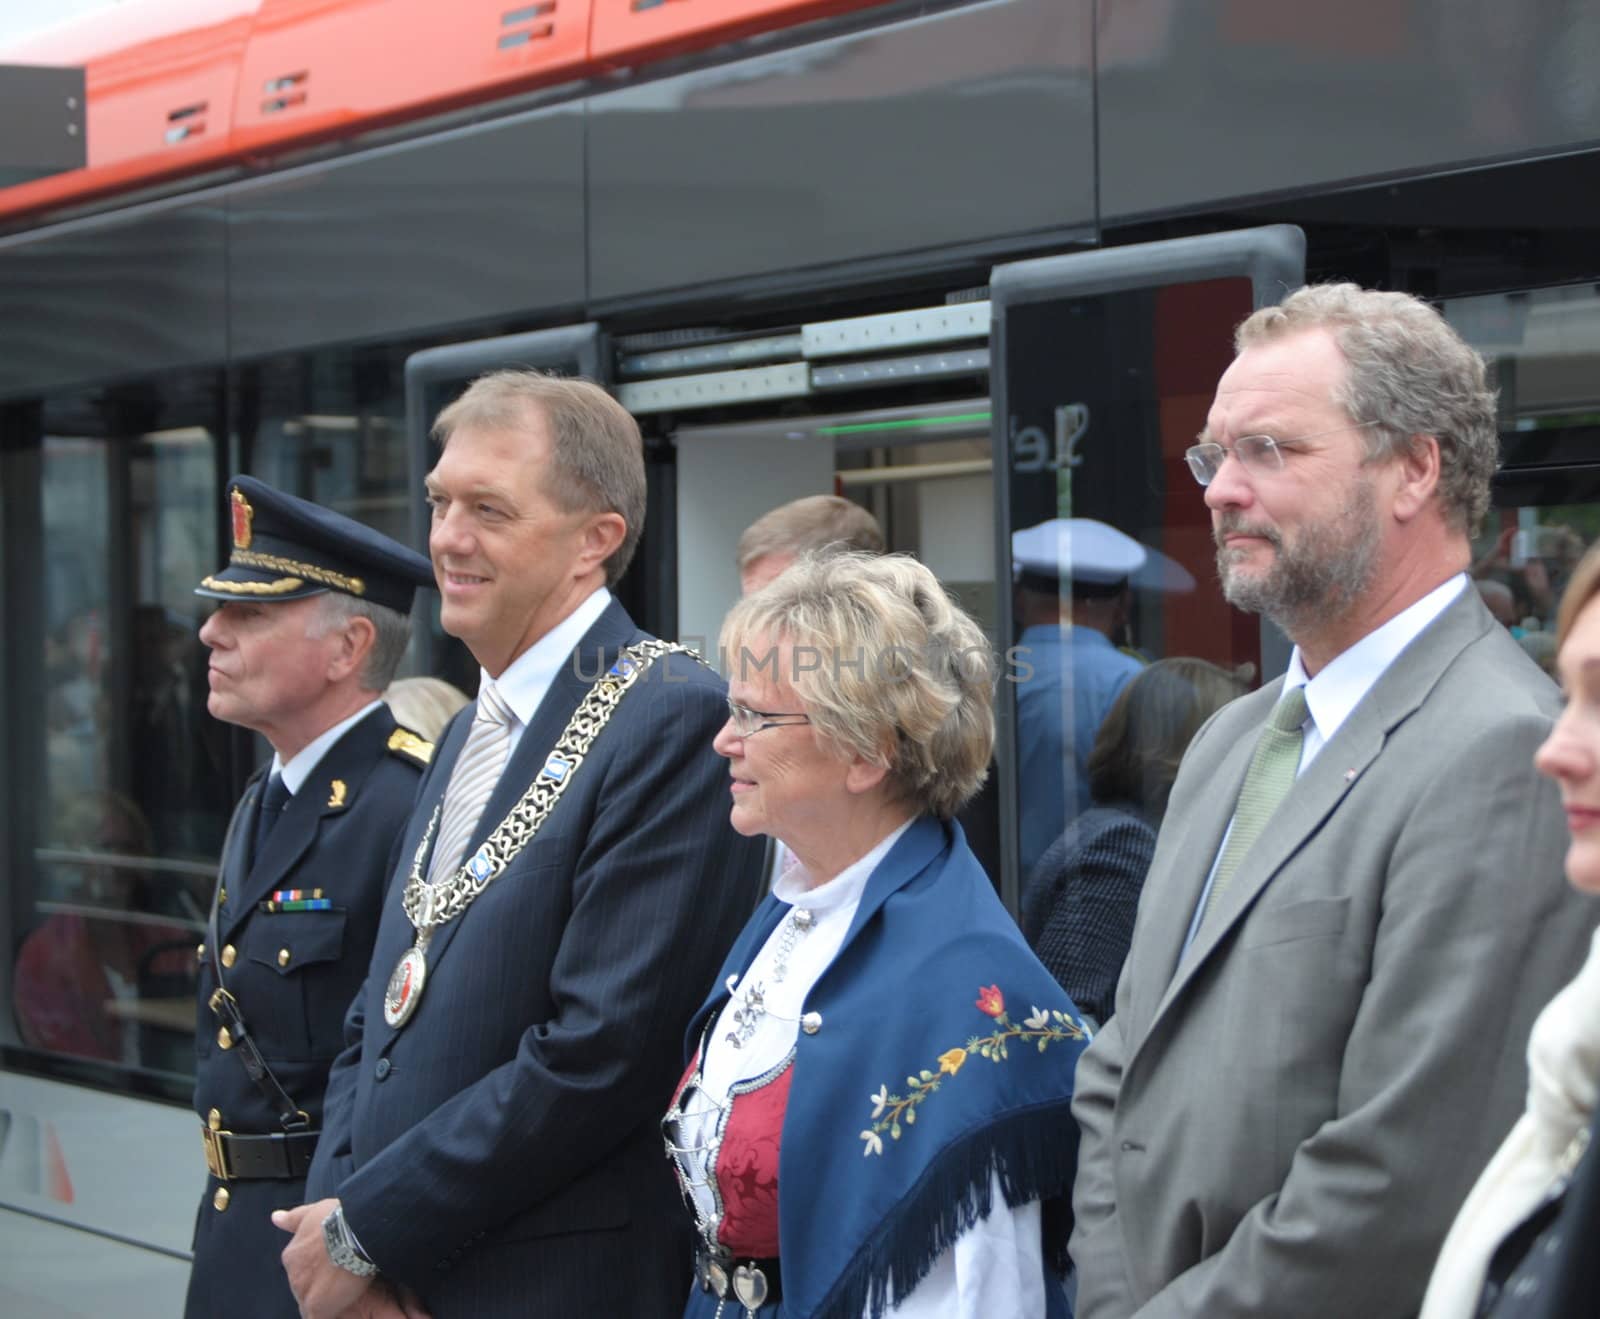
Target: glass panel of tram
1543, 347
331, 429
1123, 642
1112, 554
126, 810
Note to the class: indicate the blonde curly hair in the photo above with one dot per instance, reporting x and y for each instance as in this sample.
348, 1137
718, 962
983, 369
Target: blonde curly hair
887, 665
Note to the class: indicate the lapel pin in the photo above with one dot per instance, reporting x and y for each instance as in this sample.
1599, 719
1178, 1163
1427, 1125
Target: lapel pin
337, 790
1349, 776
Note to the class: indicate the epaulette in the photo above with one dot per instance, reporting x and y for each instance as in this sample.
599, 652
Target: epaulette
409, 746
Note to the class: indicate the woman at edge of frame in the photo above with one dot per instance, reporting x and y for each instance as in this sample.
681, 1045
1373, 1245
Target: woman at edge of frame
876, 1113
1524, 1243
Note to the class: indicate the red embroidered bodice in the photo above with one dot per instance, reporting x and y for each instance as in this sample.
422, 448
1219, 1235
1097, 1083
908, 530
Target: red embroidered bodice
750, 1132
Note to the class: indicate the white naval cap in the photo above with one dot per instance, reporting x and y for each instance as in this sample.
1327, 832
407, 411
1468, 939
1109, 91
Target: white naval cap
1096, 554
1080, 548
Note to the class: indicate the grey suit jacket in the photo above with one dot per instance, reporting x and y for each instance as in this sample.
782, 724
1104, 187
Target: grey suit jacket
1286, 1123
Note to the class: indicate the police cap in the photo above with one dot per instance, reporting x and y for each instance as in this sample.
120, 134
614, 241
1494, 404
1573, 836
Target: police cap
285, 548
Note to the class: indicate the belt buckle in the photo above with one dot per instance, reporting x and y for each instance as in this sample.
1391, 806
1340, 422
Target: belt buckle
216, 1154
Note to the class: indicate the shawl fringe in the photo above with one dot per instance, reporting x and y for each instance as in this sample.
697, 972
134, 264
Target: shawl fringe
1034, 1151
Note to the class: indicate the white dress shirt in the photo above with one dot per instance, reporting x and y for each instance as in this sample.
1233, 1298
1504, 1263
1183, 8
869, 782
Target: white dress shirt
1332, 696
528, 677
994, 1268
300, 765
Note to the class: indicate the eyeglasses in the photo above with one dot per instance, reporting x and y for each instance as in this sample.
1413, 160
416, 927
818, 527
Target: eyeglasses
748, 722
1260, 454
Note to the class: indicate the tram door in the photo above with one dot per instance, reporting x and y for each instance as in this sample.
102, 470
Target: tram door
1103, 366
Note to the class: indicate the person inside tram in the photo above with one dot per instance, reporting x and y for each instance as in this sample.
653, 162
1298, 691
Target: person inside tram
1072, 602
876, 1102
777, 538
1499, 601
181, 786
81, 975
1523, 1244
1079, 902
75, 707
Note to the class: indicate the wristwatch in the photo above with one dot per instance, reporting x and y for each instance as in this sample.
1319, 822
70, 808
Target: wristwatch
343, 1249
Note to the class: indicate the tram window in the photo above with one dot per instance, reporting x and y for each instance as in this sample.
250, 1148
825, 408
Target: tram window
935, 498
1112, 557
1524, 558
120, 794
1543, 347
923, 471
331, 428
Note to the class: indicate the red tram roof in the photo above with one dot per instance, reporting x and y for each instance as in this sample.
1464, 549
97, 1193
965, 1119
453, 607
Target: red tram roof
177, 87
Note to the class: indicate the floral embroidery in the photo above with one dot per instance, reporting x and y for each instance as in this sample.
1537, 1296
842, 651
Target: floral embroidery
1045, 1027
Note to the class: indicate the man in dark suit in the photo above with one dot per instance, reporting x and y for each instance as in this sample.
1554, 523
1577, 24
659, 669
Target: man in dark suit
1356, 905
567, 886
312, 622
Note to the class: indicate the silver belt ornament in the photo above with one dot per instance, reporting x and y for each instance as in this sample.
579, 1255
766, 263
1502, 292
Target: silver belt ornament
745, 1283
429, 906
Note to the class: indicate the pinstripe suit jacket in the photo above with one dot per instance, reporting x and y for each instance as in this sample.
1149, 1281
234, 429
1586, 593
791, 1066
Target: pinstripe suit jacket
500, 1153
1285, 1122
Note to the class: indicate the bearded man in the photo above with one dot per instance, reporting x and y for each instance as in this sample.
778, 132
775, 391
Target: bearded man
1356, 906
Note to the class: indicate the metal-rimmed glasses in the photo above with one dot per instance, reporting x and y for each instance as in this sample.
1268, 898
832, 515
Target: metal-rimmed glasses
748, 722
1260, 454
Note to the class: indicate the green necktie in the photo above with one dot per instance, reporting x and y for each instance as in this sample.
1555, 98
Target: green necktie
1271, 775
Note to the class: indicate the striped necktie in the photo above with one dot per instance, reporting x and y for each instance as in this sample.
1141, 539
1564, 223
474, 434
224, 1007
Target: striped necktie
1267, 782
473, 779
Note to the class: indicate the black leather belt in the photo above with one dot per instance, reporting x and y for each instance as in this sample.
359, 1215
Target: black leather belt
751, 1283
231, 1157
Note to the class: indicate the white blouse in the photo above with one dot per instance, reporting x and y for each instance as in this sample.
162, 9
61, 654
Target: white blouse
996, 1267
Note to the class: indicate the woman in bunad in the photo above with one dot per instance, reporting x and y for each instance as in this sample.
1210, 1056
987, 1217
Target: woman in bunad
875, 1117
1526, 1244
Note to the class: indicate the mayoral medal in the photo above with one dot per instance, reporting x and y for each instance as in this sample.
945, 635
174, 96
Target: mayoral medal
405, 988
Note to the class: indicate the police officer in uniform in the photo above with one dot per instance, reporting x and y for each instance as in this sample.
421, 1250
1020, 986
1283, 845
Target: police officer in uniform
313, 620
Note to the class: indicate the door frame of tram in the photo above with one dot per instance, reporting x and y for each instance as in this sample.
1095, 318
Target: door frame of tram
1272, 258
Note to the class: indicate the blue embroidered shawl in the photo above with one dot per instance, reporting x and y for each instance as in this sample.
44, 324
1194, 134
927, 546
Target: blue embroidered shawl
945, 1056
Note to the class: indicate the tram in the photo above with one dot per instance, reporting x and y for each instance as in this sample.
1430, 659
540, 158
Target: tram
972, 263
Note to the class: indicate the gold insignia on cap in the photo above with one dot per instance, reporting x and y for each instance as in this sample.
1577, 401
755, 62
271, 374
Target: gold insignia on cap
315, 572
281, 586
336, 791
243, 515
403, 742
